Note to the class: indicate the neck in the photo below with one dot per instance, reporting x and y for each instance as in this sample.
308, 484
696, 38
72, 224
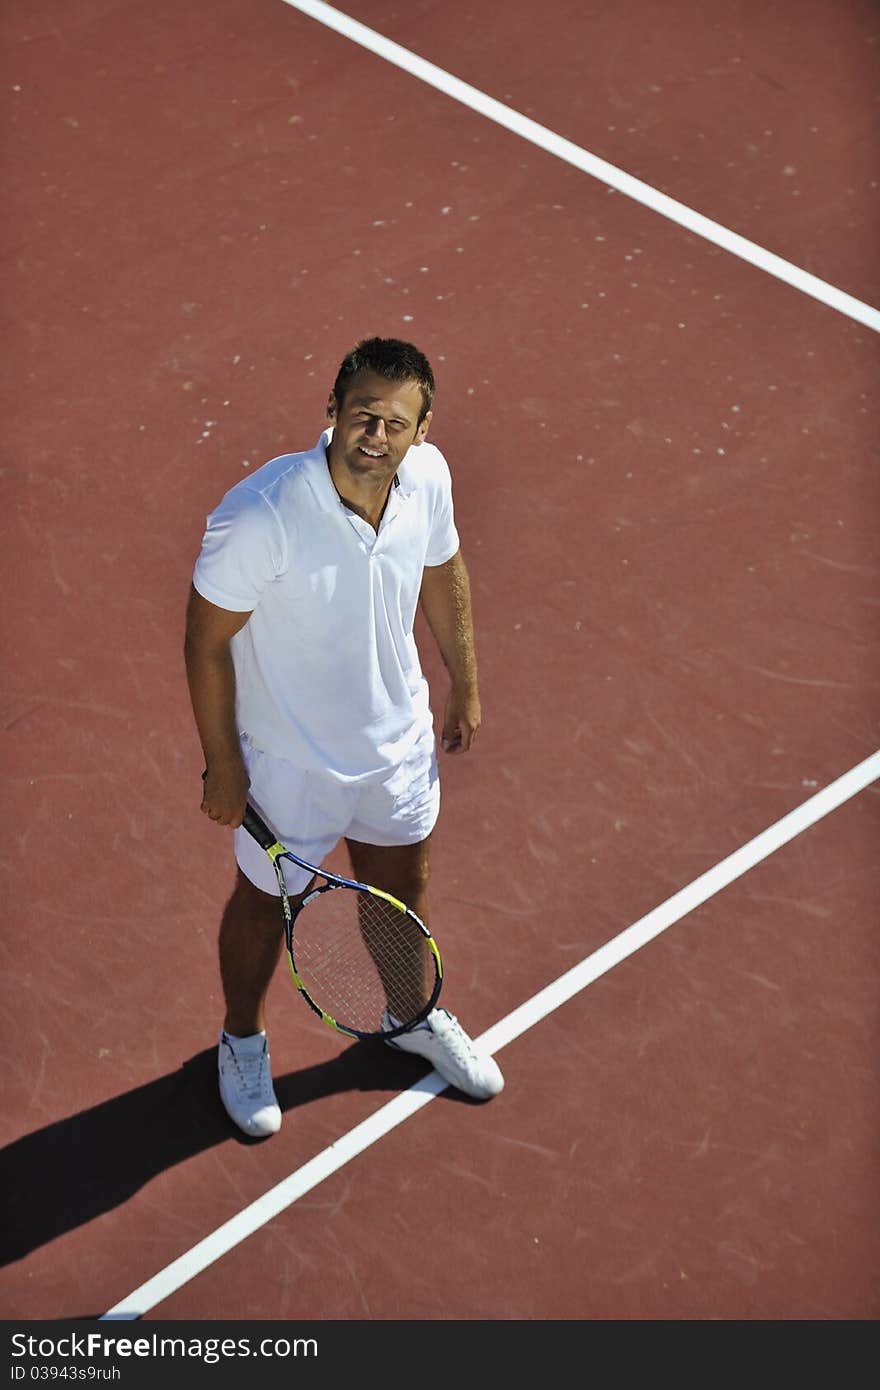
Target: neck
366, 496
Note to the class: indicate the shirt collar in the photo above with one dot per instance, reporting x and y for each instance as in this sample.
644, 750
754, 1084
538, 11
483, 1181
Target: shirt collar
319, 474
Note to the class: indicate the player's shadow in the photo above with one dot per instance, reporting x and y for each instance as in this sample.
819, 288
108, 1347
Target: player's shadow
69, 1172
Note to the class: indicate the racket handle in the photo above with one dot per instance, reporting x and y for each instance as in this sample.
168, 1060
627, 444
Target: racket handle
257, 827
254, 825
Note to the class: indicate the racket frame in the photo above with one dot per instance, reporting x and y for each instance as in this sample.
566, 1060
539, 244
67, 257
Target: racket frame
257, 828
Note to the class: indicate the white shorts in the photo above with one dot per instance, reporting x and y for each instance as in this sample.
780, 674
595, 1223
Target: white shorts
310, 813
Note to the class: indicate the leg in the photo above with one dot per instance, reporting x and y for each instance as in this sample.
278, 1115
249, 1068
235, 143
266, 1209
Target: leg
251, 938
402, 870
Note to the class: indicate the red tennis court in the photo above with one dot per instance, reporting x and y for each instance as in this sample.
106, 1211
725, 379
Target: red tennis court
666, 482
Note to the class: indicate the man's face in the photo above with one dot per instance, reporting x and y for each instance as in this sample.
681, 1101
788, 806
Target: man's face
375, 424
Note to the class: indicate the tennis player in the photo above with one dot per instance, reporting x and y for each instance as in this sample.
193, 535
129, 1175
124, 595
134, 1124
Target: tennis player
308, 694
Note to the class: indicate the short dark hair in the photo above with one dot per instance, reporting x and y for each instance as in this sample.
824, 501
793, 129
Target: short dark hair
391, 358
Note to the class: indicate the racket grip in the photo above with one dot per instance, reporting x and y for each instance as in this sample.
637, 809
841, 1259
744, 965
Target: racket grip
254, 825
257, 827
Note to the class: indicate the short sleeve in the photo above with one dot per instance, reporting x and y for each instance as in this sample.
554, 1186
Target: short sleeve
443, 540
242, 552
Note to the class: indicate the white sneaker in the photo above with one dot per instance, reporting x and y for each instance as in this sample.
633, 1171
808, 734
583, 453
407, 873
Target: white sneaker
442, 1041
246, 1084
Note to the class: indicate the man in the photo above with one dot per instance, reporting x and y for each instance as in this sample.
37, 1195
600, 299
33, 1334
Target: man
308, 694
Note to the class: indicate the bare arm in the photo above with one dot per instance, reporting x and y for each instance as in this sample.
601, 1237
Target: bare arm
446, 603
211, 677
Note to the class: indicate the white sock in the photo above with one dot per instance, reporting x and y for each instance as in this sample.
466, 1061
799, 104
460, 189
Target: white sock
250, 1038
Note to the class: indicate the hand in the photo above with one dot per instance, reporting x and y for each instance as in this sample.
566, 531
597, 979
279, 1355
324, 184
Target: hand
461, 721
225, 792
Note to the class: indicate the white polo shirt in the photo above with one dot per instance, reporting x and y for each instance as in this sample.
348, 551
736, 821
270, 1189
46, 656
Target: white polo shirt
327, 670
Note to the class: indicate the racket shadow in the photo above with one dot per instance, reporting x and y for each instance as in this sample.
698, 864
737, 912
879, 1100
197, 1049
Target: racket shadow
64, 1175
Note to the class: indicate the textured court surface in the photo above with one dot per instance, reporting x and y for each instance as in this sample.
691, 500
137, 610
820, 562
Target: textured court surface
667, 487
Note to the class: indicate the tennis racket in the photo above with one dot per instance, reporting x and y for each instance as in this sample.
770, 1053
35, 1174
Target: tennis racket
364, 962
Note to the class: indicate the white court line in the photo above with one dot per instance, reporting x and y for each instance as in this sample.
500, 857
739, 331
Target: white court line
278, 1198
589, 163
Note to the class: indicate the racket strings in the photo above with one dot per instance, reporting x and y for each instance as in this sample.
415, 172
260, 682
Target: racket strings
356, 956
